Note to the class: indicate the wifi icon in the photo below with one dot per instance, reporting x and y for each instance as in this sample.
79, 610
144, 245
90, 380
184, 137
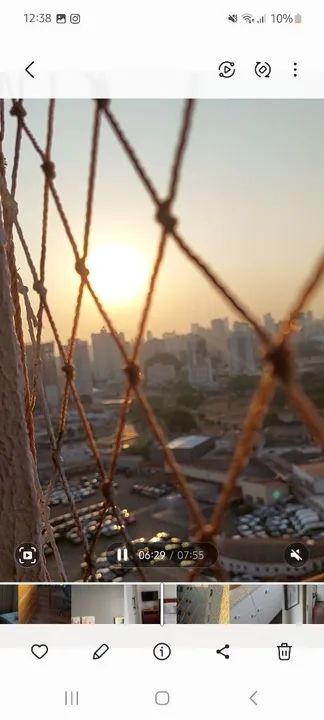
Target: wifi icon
248, 18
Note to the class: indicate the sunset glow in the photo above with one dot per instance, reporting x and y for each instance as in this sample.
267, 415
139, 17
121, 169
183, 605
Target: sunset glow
118, 272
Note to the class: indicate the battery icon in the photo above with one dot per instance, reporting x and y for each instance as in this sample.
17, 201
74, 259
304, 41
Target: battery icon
298, 18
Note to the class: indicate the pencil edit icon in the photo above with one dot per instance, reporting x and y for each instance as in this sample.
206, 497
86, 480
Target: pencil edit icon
101, 650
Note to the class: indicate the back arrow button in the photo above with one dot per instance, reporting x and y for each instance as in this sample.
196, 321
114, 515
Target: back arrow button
252, 697
27, 69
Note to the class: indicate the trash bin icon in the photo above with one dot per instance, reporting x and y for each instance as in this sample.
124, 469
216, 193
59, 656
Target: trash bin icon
284, 651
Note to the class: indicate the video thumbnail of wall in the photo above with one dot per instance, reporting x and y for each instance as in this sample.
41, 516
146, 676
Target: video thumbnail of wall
179, 604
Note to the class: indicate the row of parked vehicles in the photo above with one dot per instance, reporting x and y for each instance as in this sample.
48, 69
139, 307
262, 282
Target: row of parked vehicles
64, 526
152, 491
286, 520
86, 487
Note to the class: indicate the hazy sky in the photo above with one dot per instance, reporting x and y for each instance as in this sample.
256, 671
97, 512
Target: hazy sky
250, 202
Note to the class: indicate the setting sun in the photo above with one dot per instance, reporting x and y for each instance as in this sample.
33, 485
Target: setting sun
118, 272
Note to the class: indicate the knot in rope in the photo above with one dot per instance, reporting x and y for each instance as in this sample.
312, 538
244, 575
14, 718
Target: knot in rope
37, 364
103, 104
68, 369
164, 217
81, 268
56, 458
10, 207
18, 110
40, 289
106, 491
48, 168
3, 164
281, 358
22, 289
205, 533
133, 372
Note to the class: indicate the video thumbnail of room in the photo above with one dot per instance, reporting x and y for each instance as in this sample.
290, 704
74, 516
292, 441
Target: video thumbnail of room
250, 604
170, 604
8, 604
44, 604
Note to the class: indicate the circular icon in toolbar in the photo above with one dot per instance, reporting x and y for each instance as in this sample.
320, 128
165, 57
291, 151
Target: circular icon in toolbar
162, 651
262, 69
226, 69
296, 554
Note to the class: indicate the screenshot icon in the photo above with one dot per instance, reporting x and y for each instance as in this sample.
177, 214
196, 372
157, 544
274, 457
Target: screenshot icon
27, 555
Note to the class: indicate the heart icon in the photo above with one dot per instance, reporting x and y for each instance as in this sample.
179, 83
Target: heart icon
39, 651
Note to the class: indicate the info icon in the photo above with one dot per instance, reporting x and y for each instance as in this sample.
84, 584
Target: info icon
162, 651
296, 554
27, 555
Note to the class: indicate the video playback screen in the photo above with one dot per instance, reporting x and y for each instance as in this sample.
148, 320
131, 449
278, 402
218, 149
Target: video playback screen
162, 341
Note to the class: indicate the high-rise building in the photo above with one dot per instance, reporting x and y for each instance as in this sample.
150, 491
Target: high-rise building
175, 344
107, 362
82, 364
153, 346
269, 323
243, 352
219, 334
160, 373
200, 372
48, 370
197, 329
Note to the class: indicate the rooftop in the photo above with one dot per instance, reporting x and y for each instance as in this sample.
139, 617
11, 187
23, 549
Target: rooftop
315, 470
188, 442
274, 481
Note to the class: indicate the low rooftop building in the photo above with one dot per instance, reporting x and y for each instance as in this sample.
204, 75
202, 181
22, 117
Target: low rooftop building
264, 491
186, 448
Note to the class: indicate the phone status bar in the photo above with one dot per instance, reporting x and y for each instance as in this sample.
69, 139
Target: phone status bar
284, 18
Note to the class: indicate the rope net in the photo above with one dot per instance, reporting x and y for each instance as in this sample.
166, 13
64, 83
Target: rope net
277, 351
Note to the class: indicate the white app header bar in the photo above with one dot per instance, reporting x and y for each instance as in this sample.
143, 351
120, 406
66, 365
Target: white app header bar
174, 48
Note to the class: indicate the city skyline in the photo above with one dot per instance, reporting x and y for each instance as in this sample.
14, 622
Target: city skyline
201, 356
253, 170
193, 328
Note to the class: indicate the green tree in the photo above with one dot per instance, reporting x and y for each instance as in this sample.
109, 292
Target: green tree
242, 383
179, 420
190, 399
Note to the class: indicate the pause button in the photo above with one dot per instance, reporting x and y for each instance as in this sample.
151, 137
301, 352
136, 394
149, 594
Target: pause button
71, 698
122, 555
